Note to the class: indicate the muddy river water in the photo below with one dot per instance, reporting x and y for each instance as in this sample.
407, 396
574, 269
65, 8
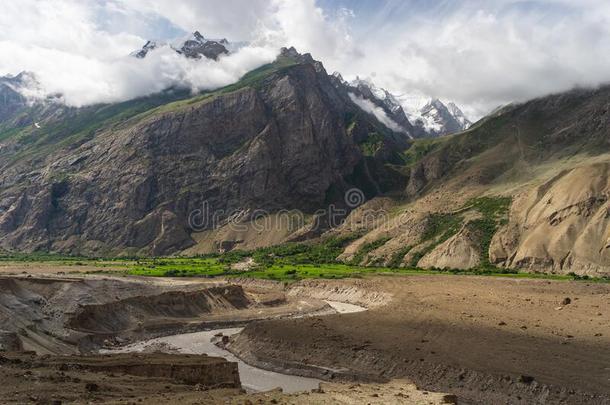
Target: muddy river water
252, 378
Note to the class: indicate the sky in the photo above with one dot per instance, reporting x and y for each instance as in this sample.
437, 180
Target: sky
479, 54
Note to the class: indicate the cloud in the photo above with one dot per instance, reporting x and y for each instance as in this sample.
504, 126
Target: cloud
478, 53
80, 49
378, 112
484, 54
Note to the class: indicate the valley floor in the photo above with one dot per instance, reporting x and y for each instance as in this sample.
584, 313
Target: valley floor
483, 339
487, 340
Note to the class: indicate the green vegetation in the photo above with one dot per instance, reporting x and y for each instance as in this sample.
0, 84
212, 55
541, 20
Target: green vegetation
367, 248
398, 257
79, 125
255, 77
440, 227
325, 252
420, 148
371, 144
494, 211
282, 268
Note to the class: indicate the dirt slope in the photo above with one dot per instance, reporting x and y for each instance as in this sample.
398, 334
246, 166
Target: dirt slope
561, 225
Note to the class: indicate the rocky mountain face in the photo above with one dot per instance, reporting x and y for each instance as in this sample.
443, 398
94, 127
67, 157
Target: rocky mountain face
195, 47
11, 97
129, 183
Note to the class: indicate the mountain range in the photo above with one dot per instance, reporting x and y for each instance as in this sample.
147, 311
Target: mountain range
417, 116
525, 187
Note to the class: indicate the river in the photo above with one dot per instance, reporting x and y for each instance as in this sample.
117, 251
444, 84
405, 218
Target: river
252, 378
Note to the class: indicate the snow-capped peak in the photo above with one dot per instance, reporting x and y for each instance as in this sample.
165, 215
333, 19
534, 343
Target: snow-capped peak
366, 85
148, 46
432, 116
193, 46
459, 115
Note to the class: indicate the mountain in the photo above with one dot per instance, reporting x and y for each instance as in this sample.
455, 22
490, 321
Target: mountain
194, 46
127, 178
432, 117
414, 115
458, 115
366, 90
12, 96
525, 188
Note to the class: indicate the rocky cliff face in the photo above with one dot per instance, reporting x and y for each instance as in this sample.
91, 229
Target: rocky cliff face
279, 140
11, 99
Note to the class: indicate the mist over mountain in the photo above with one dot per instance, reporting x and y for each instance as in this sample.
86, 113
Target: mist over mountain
203, 57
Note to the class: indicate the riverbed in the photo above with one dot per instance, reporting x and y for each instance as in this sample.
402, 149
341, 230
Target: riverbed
252, 378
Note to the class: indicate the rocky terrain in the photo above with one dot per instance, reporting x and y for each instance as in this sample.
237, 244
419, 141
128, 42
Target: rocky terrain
485, 340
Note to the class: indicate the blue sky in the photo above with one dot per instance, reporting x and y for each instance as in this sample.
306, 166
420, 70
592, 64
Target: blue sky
480, 54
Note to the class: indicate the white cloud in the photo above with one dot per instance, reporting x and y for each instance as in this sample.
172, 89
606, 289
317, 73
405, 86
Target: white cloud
60, 42
378, 112
80, 49
477, 53
484, 54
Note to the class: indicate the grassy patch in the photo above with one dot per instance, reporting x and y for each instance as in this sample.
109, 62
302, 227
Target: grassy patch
325, 252
367, 248
179, 267
283, 268
440, 227
494, 211
419, 149
372, 144
398, 257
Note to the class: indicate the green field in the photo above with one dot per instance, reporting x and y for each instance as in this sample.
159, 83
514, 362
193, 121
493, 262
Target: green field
289, 262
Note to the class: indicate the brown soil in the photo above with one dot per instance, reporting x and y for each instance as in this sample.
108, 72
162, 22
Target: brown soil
488, 340
161, 379
36, 268
394, 392
65, 315
154, 378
